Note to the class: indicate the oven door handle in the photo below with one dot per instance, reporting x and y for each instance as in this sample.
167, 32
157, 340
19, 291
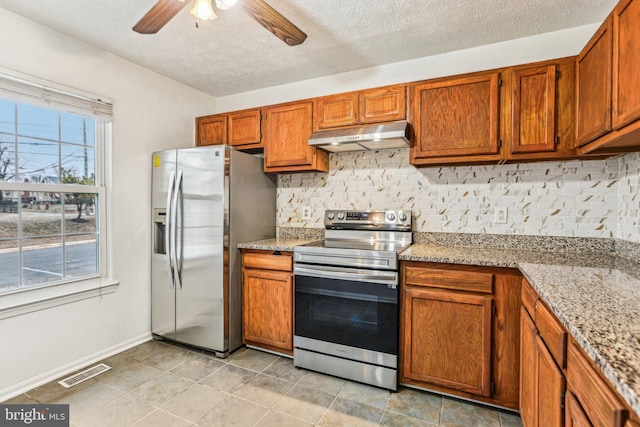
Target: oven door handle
383, 277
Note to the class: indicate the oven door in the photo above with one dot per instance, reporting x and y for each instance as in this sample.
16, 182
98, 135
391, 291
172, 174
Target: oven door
354, 309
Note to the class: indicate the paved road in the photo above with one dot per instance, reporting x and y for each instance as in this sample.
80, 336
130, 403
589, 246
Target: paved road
45, 264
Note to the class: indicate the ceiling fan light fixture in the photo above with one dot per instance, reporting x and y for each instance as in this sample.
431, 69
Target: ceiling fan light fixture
203, 10
225, 4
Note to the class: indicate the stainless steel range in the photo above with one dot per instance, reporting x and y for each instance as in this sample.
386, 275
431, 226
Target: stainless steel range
346, 296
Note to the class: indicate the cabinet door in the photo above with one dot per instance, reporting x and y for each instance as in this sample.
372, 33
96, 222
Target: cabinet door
551, 386
267, 303
447, 340
574, 414
211, 130
534, 110
336, 110
288, 130
383, 104
244, 128
457, 117
626, 59
593, 86
528, 371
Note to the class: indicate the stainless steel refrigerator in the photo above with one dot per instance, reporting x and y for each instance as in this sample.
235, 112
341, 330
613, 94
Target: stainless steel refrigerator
205, 201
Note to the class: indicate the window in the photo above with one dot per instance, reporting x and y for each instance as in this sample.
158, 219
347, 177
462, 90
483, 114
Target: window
53, 147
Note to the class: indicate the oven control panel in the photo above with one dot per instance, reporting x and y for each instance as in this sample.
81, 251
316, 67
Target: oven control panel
394, 219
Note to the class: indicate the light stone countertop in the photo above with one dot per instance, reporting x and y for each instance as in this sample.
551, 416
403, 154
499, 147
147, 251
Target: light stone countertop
595, 296
275, 244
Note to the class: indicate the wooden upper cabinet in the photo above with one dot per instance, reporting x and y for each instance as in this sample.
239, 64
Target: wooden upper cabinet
593, 86
241, 129
244, 128
456, 117
288, 129
211, 130
447, 339
376, 105
383, 104
534, 109
626, 62
336, 111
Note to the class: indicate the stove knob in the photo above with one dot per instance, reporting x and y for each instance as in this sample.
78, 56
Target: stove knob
340, 216
391, 216
402, 217
330, 215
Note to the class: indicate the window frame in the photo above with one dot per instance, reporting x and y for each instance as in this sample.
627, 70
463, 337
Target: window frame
60, 98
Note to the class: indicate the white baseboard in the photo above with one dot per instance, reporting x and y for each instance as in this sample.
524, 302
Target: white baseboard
51, 375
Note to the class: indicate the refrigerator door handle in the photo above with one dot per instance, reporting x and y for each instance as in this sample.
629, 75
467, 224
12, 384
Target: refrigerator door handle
168, 225
177, 200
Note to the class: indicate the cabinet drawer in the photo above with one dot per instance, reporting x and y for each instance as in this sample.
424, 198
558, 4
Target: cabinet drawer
553, 334
268, 260
529, 298
599, 401
443, 278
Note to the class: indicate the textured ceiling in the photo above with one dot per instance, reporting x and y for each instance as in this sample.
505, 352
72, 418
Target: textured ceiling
234, 54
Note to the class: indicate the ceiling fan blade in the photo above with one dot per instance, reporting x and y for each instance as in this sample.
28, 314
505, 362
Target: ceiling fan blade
273, 21
158, 16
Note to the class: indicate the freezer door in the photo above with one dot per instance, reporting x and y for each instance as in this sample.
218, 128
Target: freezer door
200, 304
162, 287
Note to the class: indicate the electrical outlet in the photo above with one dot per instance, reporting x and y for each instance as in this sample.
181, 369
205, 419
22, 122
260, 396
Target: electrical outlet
500, 215
306, 213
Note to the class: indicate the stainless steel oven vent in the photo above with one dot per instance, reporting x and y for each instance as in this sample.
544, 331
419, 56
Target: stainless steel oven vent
84, 375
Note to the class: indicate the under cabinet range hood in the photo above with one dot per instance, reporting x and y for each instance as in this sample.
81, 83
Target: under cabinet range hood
369, 137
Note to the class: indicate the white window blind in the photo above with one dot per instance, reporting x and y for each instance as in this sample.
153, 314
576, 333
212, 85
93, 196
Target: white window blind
48, 96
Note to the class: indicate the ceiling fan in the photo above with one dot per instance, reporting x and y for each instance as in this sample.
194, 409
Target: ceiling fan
265, 15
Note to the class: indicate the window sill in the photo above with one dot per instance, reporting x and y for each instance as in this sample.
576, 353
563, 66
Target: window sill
19, 303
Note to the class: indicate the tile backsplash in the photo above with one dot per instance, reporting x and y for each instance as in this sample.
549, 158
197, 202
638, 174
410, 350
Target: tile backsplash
579, 198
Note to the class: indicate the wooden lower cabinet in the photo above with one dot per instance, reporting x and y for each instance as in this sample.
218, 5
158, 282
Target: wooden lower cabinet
542, 380
575, 415
448, 339
601, 404
267, 301
459, 331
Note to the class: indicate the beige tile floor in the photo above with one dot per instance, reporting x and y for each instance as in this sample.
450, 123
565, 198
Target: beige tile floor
159, 384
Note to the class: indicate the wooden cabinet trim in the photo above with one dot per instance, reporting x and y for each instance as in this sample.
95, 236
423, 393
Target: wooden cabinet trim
453, 279
599, 402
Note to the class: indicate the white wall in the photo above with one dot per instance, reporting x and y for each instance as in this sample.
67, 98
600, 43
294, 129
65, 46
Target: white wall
629, 198
151, 113
513, 52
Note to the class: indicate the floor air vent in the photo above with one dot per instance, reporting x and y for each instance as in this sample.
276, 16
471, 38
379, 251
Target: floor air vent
84, 375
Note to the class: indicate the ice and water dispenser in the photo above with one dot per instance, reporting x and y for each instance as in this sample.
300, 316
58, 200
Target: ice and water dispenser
159, 230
